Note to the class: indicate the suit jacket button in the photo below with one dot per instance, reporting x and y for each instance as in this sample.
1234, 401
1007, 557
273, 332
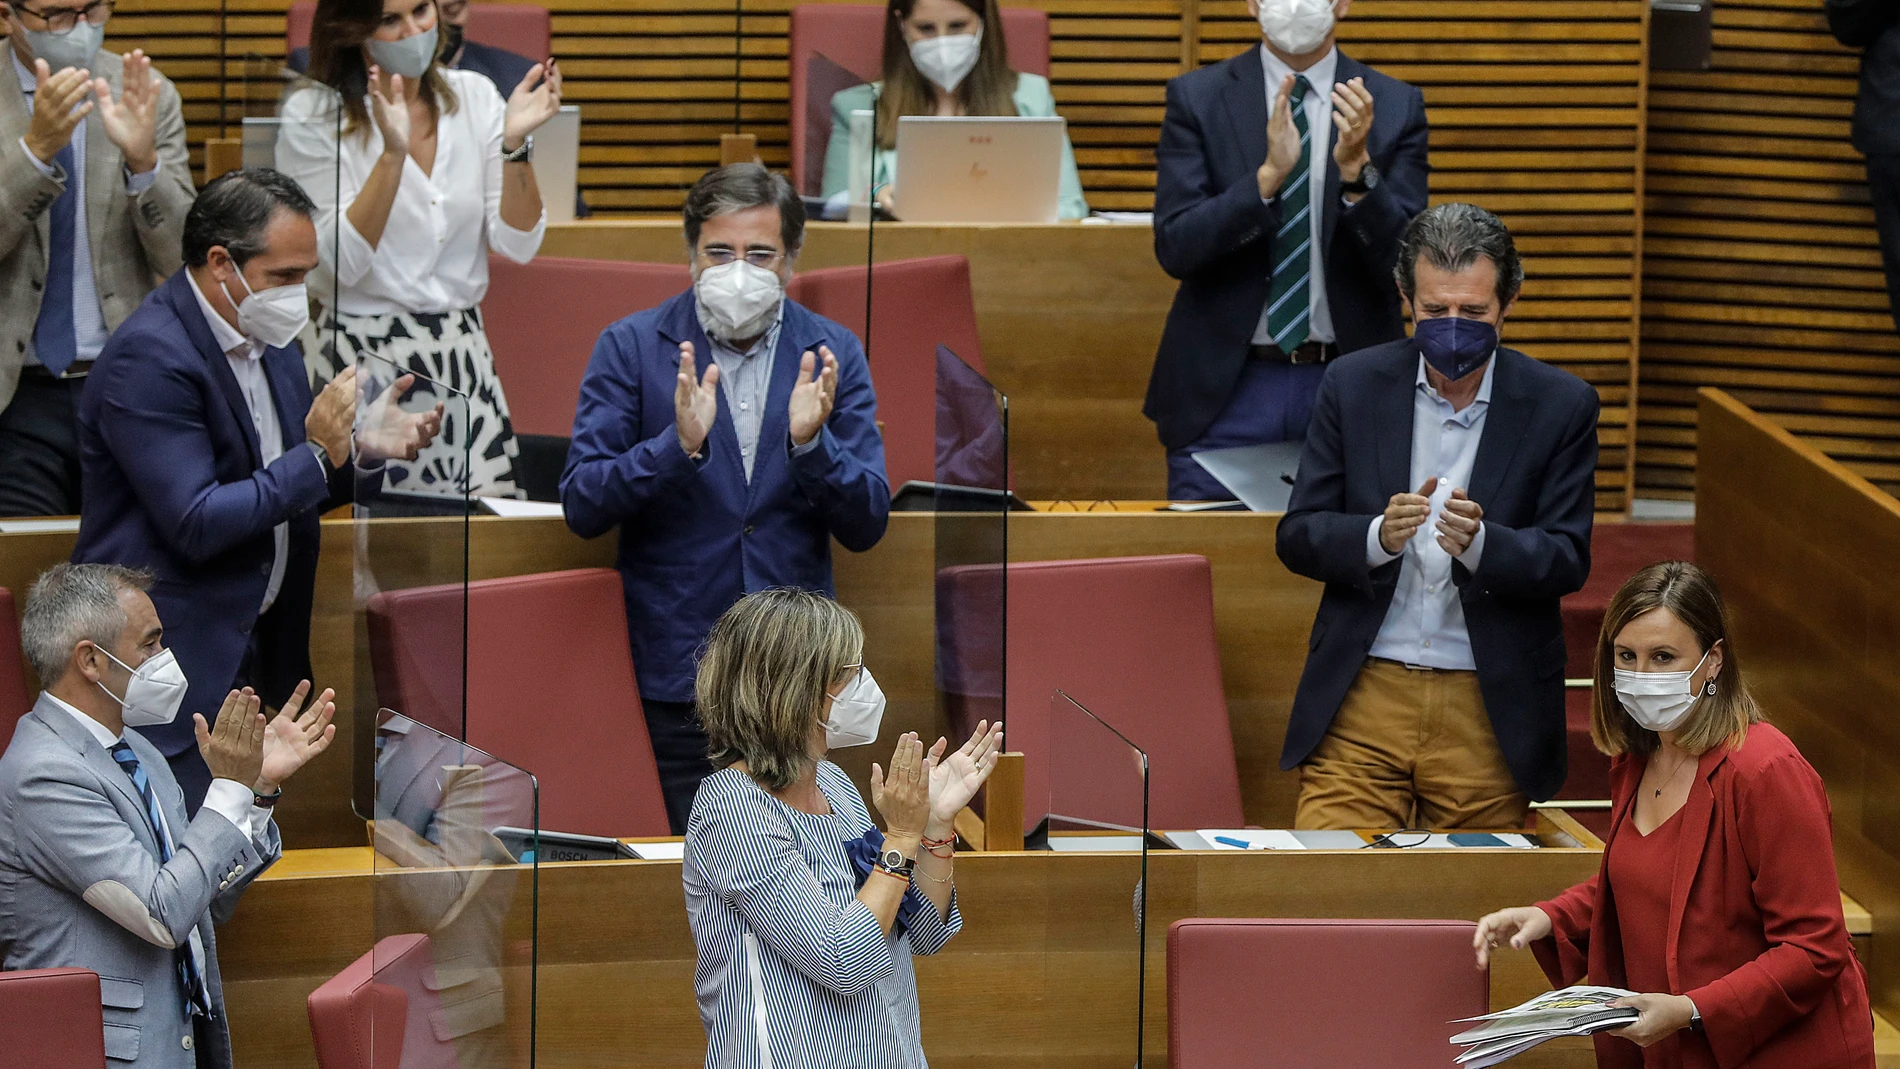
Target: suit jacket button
748, 528
185, 1042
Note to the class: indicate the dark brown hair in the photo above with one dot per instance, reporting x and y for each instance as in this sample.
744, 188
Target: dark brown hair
989, 89
1689, 594
337, 35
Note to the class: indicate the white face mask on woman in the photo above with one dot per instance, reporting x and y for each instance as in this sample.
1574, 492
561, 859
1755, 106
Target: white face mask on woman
737, 301
948, 59
1296, 27
409, 57
856, 713
1661, 701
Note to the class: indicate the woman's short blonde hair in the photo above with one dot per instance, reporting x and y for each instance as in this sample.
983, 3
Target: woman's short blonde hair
1690, 594
763, 677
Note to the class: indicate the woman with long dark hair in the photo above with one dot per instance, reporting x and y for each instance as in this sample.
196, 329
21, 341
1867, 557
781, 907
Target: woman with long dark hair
941, 57
418, 172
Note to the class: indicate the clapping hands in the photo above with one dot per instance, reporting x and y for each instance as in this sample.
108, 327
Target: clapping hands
955, 779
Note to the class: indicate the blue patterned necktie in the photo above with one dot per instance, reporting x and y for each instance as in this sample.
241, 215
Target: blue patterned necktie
54, 340
196, 1000
1290, 302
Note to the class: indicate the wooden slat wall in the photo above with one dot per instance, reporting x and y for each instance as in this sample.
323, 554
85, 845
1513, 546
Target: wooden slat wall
1762, 273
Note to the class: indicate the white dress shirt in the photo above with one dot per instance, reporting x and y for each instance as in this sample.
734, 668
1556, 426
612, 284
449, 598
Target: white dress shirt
433, 255
89, 320
1425, 625
1319, 125
246, 358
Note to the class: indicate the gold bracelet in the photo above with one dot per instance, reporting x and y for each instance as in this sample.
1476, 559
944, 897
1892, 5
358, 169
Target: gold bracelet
934, 879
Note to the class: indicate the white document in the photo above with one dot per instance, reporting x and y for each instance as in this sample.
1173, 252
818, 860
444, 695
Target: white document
513, 507
1250, 839
1123, 218
660, 851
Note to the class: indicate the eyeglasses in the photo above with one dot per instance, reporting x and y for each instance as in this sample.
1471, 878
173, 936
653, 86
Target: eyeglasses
761, 258
96, 13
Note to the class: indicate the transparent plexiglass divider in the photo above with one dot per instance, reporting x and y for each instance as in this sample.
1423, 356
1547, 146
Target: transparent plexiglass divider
455, 837
1093, 795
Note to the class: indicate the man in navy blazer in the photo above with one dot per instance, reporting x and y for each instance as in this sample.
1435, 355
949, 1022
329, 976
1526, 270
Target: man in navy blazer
1445, 498
1282, 222
207, 462
729, 484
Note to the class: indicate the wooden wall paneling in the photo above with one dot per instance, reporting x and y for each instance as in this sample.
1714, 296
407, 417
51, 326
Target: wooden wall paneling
1807, 571
1762, 273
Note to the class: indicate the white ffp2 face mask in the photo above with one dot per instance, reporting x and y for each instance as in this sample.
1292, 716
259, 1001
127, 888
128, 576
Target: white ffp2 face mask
947, 60
1296, 27
155, 691
856, 713
274, 316
1659, 701
737, 301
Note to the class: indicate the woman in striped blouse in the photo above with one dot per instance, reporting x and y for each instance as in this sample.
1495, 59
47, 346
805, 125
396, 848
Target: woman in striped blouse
804, 914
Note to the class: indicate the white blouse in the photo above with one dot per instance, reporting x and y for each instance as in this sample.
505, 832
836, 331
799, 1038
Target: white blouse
433, 256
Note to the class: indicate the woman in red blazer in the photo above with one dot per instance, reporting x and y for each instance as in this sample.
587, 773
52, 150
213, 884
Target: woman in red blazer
1717, 899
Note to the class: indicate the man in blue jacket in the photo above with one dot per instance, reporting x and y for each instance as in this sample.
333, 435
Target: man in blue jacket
1284, 180
1445, 498
207, 462
732, 482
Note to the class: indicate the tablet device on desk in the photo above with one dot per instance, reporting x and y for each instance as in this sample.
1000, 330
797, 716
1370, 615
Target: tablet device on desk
557, 160
916, 496
979, 168
1261, 476
562, 846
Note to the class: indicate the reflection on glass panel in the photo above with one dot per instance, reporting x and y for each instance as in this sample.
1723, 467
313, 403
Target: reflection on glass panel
455, 899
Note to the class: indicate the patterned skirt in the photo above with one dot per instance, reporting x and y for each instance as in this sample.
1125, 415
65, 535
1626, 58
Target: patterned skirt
449, 355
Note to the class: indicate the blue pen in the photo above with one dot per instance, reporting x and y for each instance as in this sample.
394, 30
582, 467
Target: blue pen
1241, 843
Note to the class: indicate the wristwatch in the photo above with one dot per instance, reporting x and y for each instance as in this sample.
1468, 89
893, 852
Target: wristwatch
1368, 181
265, 801
896, 864
522, 154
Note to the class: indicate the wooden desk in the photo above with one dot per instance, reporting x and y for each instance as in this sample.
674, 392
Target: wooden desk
1043, 973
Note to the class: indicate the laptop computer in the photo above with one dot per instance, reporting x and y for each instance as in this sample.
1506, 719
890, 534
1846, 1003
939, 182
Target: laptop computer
979, 168
1261, 476
557, 159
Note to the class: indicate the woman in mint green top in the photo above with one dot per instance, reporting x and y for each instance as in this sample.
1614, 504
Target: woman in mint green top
942, 57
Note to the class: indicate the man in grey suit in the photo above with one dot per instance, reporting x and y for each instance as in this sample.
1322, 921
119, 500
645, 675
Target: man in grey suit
99, 867
94, 185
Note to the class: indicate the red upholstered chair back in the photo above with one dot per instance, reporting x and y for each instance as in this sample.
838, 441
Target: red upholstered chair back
16, 695
1297, 993
358, 1022
520, 28
550, 688
1132, 639
543, 318
50, 1019
917, 305
851, 37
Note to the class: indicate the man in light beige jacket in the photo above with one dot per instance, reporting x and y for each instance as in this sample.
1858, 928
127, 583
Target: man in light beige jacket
94, 186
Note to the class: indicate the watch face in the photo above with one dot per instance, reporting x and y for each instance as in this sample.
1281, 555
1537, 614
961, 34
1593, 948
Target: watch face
893, 860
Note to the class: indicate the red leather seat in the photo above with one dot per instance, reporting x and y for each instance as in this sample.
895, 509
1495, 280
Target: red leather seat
1299, 993
543, 318
520, 28
550, 688
357, 1022
1132, 639
917, 306
50, 1019
16, 696
845, 43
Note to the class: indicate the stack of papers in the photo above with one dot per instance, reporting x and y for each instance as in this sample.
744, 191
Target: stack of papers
1574, 1011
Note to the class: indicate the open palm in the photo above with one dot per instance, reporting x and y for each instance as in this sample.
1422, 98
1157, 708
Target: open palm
958, 776
297, 734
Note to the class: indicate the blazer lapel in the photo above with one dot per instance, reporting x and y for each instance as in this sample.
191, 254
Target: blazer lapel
797, 336
282, 369
1504, 427
1394, 407
75, 735
15, 117
1691, 840
683, 326
185, 306
1246, 102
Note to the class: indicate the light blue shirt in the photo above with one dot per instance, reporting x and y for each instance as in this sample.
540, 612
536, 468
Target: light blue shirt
89, 320
1425, 624
746, 381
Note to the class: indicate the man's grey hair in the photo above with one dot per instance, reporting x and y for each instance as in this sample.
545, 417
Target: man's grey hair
1451, 237
71, 603
741, 186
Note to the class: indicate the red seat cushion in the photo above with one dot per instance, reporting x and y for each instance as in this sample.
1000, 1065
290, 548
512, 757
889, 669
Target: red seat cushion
1300, 993
1617, 551
851, 37
357, 1022
543, 318
919, 305
551, 688
519, 28
16, 696
50, 1019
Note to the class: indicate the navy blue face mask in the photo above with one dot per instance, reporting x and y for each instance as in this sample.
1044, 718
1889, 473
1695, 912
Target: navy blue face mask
1455, 347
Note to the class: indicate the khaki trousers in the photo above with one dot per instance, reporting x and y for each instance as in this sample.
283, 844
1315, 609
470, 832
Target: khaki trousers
1409, 748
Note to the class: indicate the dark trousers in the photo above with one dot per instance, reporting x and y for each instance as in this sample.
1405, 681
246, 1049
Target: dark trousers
679, 748
1883, 186
1272, 402
188, 765
39, 447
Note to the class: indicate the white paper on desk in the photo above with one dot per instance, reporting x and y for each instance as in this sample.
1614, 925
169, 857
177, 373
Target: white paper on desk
58, 526
1125, 218
660, 851
508, 506
1256, 838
